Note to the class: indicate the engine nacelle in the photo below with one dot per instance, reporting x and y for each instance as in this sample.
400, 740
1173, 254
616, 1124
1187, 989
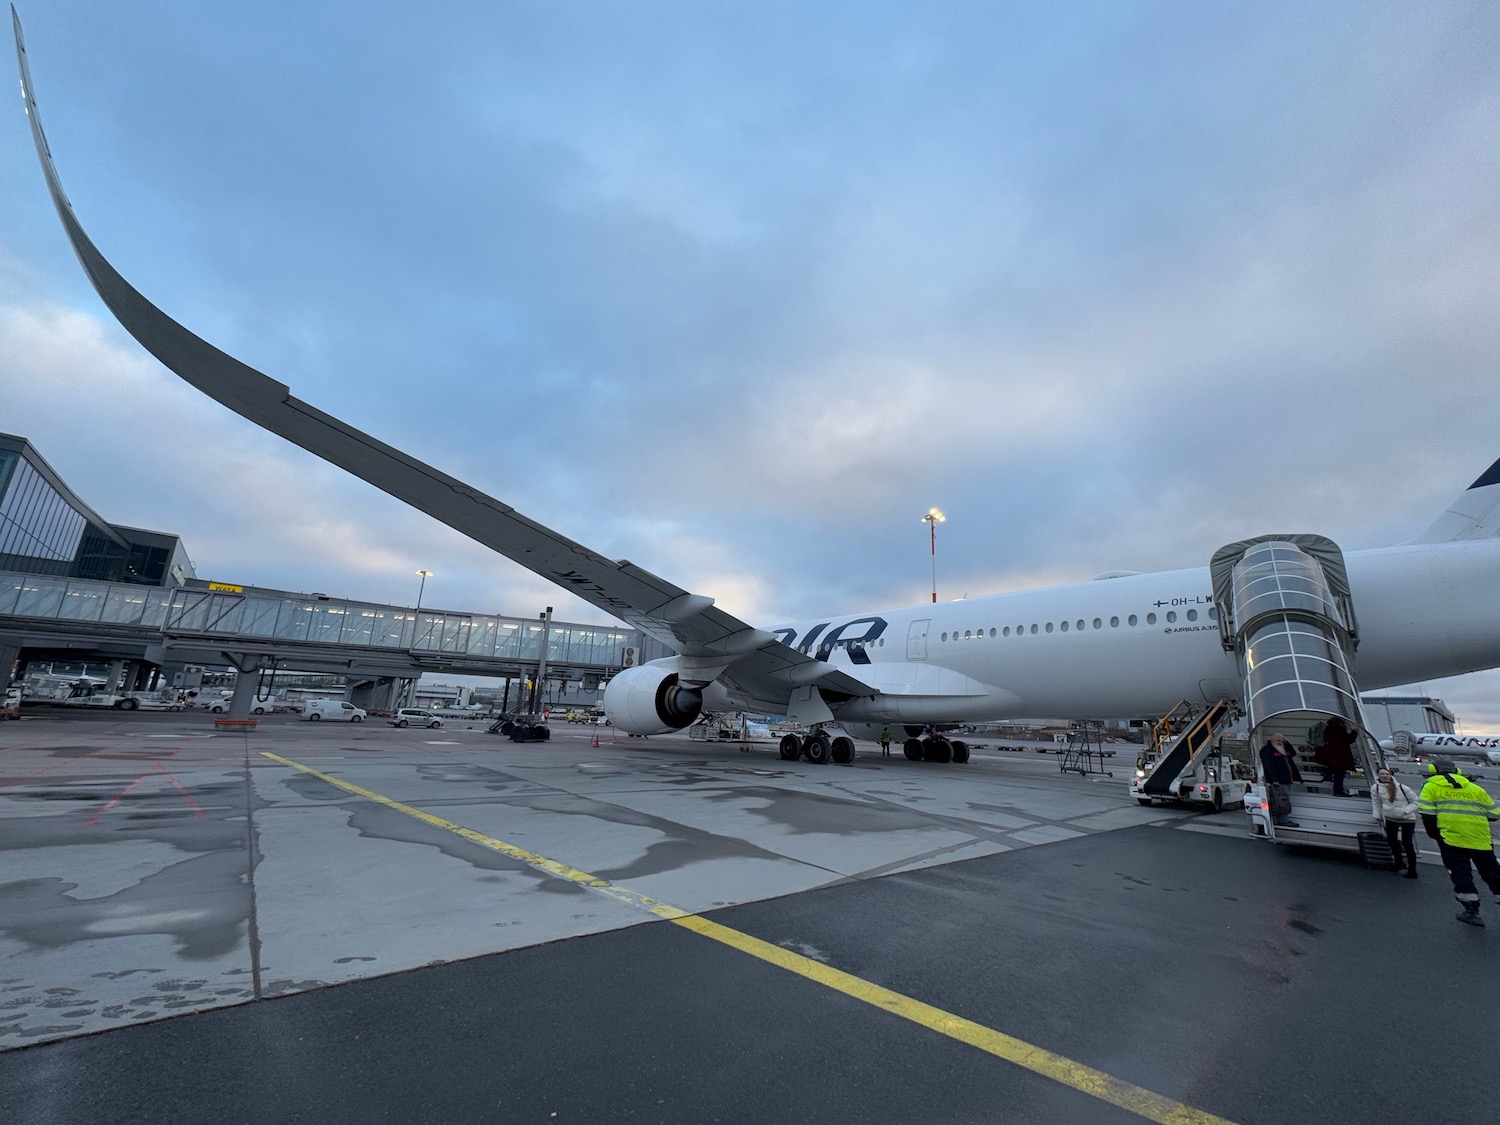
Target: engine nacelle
648, 699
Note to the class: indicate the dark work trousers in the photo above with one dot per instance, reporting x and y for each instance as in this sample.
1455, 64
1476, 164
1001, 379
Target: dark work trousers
1402, 830
1457, 861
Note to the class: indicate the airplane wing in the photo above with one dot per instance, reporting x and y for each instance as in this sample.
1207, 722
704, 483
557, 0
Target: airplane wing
684, 621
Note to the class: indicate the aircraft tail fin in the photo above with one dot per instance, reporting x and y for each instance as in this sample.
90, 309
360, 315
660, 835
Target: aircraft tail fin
1474, 515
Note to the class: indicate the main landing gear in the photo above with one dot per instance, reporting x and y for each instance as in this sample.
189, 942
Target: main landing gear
936, 748
818, 747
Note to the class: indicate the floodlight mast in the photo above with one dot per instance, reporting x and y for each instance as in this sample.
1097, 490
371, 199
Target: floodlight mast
932, 519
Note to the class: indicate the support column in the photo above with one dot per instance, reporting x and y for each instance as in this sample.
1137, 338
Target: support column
10, 663
246, 679
243, 700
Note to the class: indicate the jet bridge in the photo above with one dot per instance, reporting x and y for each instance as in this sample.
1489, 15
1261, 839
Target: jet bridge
1286, 610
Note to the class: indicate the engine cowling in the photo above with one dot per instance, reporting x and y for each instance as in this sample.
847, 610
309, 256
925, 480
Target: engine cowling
648, 699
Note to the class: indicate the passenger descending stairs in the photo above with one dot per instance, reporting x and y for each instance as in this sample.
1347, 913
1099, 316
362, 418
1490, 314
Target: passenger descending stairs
1175, 757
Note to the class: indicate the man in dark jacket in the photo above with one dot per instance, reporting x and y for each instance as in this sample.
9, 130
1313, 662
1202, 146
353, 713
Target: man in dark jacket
1279, 764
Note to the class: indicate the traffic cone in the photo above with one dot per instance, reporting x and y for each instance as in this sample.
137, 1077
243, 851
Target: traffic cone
596, 738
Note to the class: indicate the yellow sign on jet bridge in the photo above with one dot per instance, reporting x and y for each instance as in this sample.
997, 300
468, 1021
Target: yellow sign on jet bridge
226, 587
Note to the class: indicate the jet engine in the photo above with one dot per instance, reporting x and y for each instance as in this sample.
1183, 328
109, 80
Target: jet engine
648, 699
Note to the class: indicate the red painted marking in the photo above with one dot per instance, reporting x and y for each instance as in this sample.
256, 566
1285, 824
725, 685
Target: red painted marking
115, 800
186, 796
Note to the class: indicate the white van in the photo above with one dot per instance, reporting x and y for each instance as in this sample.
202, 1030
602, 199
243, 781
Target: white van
319, 709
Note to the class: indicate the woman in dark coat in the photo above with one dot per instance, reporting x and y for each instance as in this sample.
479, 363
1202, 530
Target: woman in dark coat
1336, 752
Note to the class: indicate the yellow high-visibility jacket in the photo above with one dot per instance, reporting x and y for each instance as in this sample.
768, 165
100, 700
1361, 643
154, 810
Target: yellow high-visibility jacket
1463, 810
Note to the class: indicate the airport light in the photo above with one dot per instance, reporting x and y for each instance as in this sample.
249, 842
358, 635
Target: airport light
426, 574
932, 519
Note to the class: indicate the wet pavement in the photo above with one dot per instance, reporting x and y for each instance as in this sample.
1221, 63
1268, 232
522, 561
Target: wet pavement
149, 868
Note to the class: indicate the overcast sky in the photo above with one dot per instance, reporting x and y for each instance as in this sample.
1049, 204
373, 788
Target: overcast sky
739, 291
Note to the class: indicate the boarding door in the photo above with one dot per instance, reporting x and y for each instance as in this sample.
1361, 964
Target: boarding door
916, 640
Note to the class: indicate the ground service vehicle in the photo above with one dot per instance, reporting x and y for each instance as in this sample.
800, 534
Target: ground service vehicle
335, 709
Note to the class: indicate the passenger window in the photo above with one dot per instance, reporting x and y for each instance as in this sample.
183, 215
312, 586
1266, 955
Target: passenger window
1033, 628
1006, 631
1192, 615
1213, 615
992, 632
945, 636
1064, 627
968, 633
1114, 622
1080, 625
1171, 616
1049, 626
1131, 619
1150, 619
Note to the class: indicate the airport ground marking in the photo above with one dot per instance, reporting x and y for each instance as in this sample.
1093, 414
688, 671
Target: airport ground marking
1038, 1060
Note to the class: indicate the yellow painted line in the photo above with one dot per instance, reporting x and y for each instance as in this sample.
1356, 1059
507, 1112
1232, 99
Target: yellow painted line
1059, 1068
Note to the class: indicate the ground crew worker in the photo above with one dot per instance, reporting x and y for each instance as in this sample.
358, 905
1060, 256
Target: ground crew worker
1457, 814
885, 742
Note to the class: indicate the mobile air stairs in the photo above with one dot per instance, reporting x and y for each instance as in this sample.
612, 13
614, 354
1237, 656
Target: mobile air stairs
1086, 753
1286, 611
1187, 762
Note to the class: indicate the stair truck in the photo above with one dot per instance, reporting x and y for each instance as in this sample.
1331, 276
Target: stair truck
1195, 766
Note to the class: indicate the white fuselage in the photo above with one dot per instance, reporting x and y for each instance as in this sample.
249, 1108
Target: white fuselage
1133, 646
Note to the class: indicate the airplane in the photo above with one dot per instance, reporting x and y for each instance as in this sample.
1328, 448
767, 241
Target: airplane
1122, 645
1475, 747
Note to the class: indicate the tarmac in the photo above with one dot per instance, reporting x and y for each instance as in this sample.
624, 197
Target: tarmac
330, 922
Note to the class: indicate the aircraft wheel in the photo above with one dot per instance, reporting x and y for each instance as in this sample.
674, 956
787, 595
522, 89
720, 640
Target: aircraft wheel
939, 749
843, 750
912, 748
401, 722
960, 751
315, 718
791, 747
818, 748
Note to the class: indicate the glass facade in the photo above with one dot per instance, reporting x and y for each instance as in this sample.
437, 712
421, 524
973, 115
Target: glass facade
36, 523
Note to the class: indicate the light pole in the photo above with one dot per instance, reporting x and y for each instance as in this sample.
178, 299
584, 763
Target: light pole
932, 519
426, 574
415, 615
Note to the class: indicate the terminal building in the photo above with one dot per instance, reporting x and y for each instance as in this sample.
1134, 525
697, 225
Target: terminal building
76, 589
46, 529
1418, 714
